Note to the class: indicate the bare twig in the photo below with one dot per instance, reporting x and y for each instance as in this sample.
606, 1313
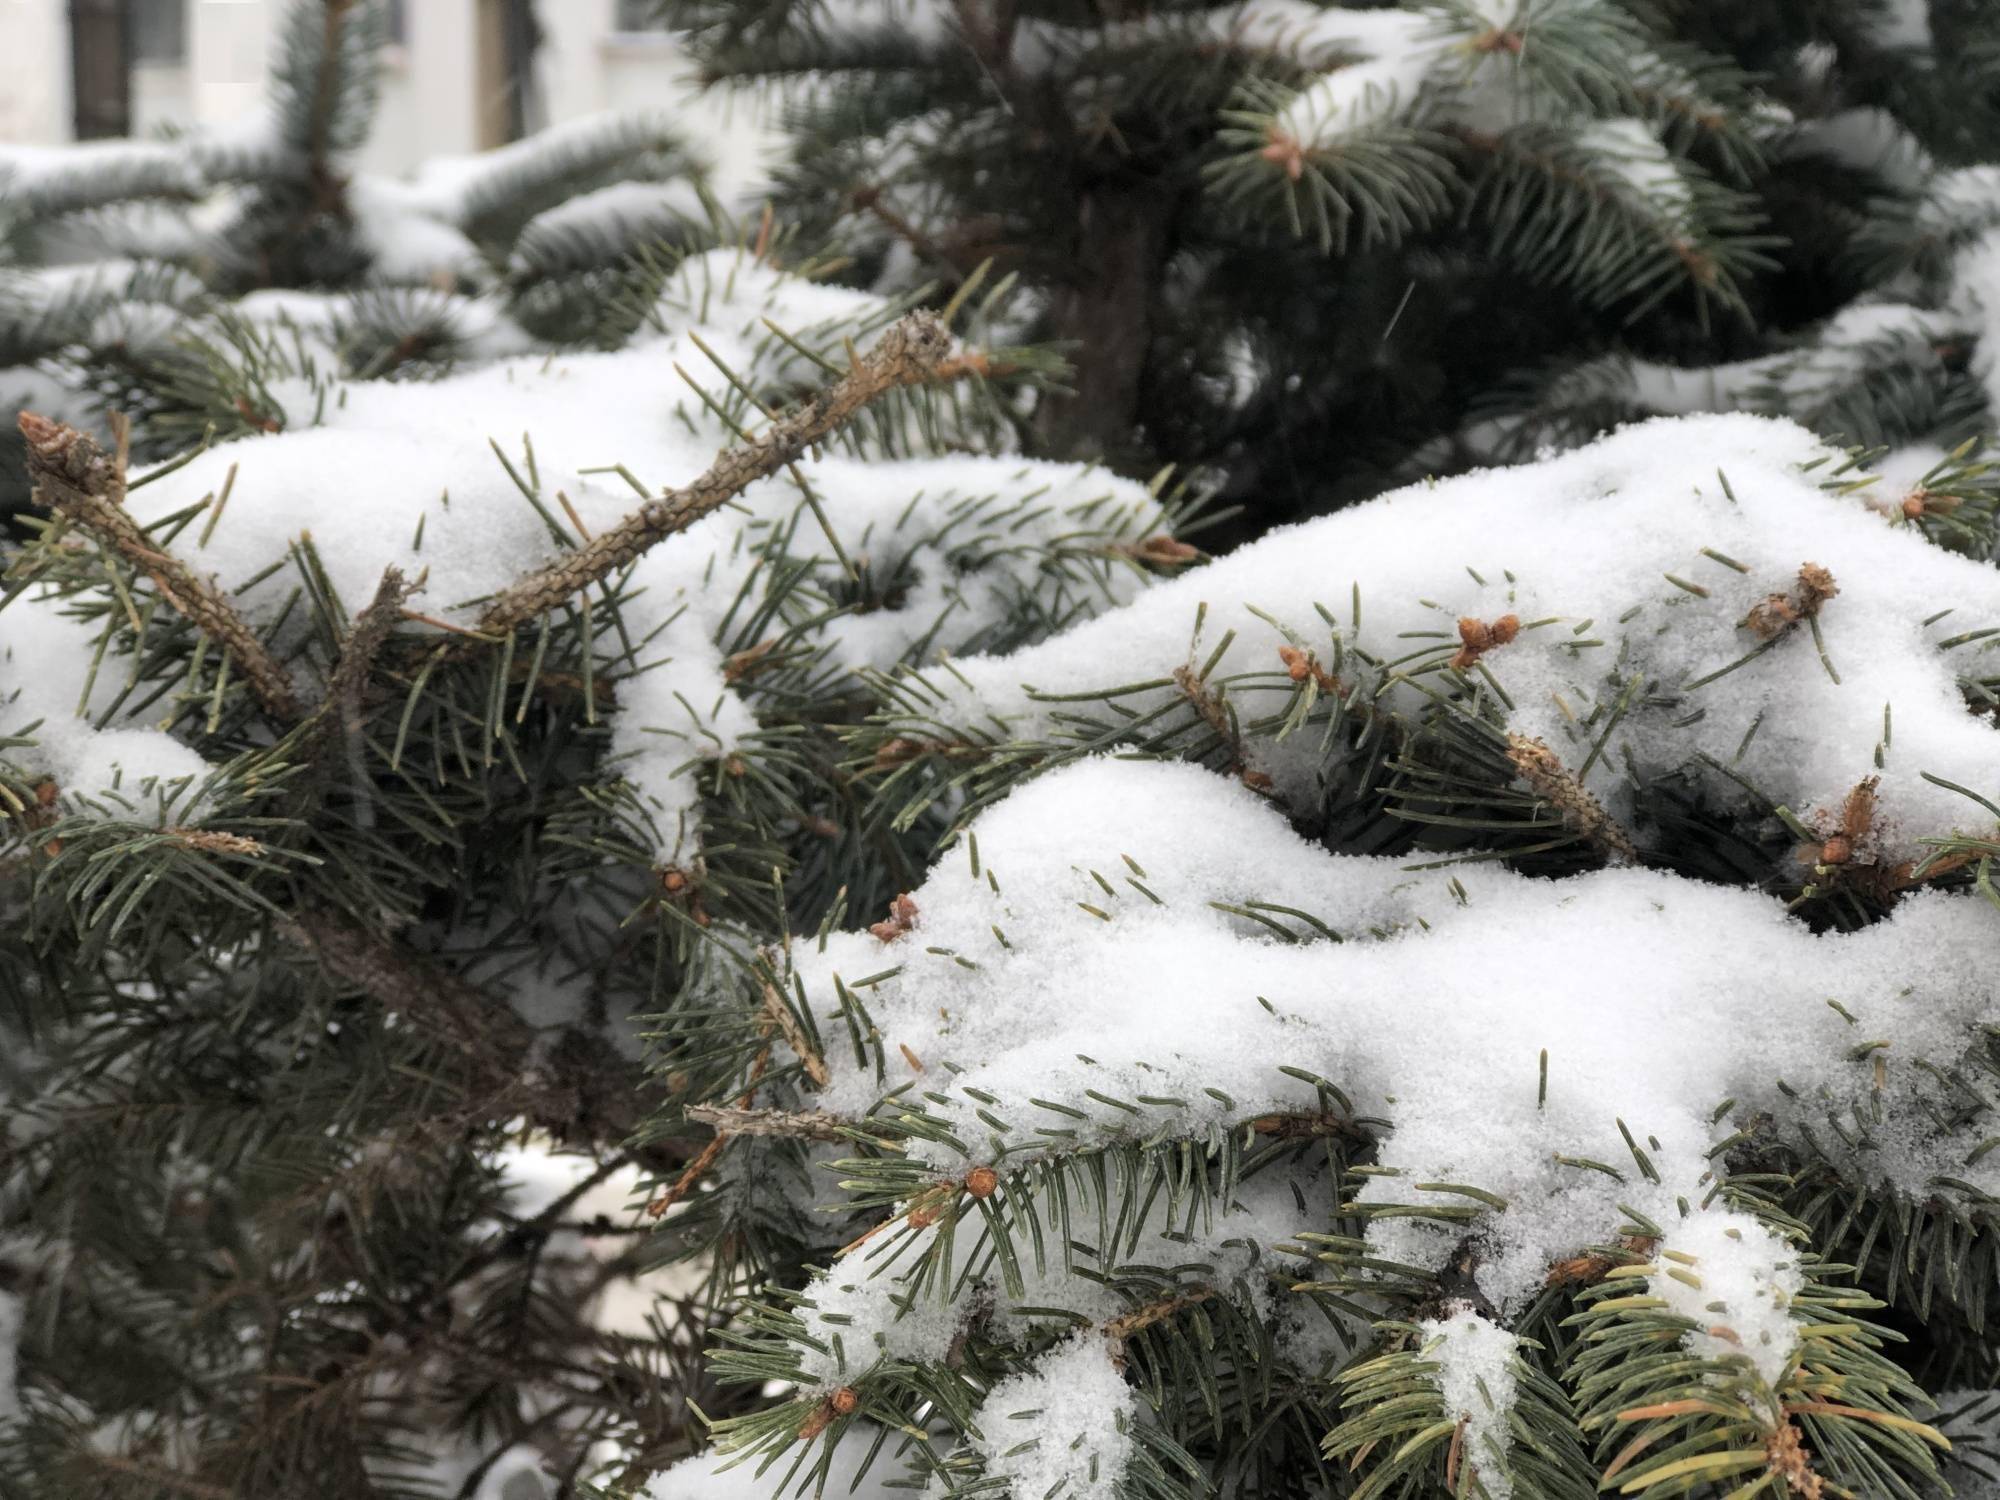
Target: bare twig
77, 479
799, 1124
795, 1037
1552, 781
1141, 1318
364, 642
911, 352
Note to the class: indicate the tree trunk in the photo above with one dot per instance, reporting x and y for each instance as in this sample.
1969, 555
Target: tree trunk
1103, 316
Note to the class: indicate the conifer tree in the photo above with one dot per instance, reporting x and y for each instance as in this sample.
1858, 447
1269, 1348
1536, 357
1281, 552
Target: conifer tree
1307, 249
1487, 994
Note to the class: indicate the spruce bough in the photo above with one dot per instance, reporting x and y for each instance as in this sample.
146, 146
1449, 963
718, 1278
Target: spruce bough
1486, 994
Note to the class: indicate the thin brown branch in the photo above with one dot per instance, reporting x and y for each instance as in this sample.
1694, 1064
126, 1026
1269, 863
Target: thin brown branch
869, 199
74, 477
1140, 1318
798, 1124
363, 644
1535, 763
780, 1015
909, 353
400, 982
578, 1089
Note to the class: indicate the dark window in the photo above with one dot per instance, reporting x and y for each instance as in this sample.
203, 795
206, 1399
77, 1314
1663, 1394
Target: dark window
159, 31
640, 15
100, 68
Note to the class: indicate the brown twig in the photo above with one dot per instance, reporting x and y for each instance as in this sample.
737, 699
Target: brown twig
1535, 763
401, 982
1122, 1328
780, 1015
796, 1124
909, 353
363, 644
77, 479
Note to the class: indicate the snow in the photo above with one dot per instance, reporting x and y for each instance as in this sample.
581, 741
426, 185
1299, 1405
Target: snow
1354, 99
1734, 1280
450, 187
624, 205
1899, 24
1868, 139
125, 769
407, 237
1062, 1427
30, 168
864, 1317
1583, 548
1432, 1015
1475, 1377
720, 1476
1642, 163
1970, 1418
1318, 35
1975, 296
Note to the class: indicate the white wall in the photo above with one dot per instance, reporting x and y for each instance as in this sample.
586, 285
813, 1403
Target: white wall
229, 46
34, 96
428, 103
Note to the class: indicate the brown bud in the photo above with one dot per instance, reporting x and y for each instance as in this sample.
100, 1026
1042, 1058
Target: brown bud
902, 917
1162, 552
982, 1182
49, 439
1837, 850
817, 1421
1285, 151
1816, 586
845, 1401
1477, 637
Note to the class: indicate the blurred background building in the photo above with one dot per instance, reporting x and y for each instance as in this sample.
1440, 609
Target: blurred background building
458, 75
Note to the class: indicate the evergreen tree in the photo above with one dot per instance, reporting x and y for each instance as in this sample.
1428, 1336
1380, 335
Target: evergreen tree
1487, 994
1300, 249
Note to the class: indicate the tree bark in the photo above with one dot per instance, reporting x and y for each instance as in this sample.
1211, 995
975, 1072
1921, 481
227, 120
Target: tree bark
1104, 316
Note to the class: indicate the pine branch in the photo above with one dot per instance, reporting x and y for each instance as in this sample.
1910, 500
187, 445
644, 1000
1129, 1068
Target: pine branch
600, 1096
477, 1024
77, 479
910, 352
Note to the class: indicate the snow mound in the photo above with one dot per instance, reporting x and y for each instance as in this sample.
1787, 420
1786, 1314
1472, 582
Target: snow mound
1665, 585
1095, 966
